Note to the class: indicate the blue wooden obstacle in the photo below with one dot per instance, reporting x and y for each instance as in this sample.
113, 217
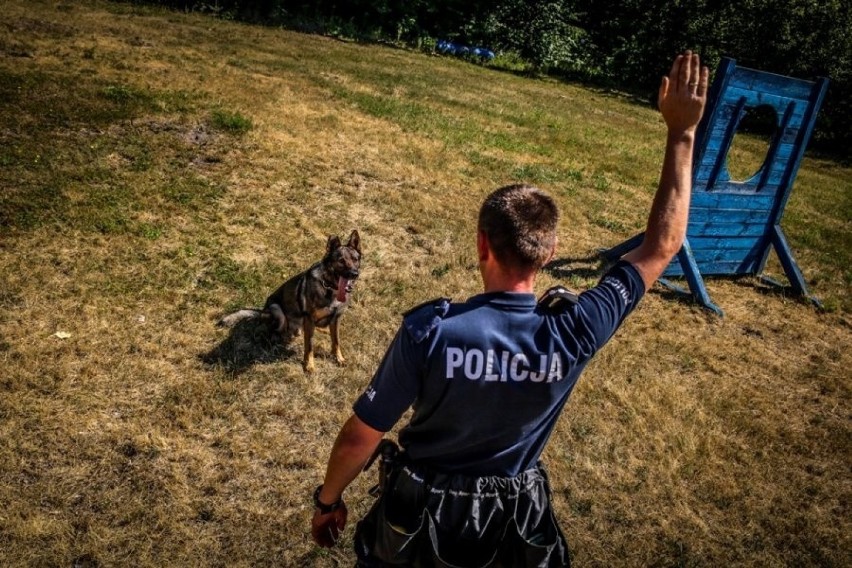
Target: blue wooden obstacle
733, 224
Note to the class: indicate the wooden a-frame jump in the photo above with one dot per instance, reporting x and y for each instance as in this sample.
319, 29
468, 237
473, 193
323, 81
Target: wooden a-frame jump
734, 224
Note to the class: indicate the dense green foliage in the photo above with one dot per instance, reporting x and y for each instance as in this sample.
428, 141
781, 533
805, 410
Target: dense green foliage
623, 43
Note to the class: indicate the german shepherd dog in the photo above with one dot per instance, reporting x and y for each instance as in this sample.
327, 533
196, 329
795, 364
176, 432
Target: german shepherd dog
313, 299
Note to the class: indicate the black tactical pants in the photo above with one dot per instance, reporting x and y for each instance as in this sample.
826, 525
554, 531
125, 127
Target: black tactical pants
426, 519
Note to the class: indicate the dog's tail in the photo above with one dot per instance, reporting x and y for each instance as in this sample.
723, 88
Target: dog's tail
233, 319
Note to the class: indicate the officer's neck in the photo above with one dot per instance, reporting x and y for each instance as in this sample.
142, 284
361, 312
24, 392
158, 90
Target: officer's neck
496, 279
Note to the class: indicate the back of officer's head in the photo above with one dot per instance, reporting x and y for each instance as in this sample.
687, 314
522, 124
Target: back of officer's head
520, 223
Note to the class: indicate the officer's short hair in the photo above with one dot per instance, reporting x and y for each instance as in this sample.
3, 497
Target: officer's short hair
520, 223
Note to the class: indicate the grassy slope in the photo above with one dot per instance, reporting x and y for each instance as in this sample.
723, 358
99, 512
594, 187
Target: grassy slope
136, 209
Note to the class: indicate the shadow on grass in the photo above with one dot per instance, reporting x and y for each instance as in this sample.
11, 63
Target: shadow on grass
760, 284
679, 296
249, 342
593, 266
769, 286
564, 268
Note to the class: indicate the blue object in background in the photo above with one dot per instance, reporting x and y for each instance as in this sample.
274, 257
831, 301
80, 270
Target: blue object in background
733, 224
486, 54
450, 48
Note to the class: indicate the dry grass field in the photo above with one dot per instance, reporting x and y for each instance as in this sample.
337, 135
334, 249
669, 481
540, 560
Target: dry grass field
158, 169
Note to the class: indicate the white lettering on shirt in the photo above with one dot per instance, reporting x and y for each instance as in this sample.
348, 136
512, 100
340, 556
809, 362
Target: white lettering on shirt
542, 370
489, 367
517, 375
500, 366
473, 363
619, 287
455, 359
555, 373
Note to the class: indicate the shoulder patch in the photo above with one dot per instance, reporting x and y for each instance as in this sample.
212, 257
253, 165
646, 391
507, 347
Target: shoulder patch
558, 299
420, 320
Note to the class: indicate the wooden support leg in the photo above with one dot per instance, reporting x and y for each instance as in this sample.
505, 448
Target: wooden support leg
693, 277
788, 263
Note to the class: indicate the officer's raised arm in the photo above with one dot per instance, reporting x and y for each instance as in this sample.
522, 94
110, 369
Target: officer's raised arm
681, 98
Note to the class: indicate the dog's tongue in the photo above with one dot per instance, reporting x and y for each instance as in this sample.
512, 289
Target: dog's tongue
344, 286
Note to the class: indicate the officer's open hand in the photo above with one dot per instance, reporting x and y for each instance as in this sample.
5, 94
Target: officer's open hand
683, 93
326, 529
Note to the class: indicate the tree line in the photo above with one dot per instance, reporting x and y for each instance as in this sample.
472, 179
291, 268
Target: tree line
624, 44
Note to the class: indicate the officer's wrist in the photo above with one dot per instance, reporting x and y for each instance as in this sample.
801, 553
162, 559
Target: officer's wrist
324, 504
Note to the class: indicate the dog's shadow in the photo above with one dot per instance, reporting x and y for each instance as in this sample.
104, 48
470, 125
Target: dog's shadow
248, 343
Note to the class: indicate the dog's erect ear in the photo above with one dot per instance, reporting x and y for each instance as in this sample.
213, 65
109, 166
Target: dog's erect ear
354, 241
332, 244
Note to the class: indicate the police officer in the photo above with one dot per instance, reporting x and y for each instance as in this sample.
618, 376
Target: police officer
488, 378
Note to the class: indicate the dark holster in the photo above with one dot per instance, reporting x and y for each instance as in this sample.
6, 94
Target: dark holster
388, 453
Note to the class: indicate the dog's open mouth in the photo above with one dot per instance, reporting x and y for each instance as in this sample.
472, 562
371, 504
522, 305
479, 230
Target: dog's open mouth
344, 288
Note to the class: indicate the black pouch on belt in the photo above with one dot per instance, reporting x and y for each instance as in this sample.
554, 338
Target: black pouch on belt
387, 453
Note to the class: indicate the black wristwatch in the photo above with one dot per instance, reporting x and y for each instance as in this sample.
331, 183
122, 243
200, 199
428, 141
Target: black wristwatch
323, 508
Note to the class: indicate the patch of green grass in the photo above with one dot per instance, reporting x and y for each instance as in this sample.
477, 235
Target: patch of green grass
58, 133
440, 271
238, 63
542, 174
600, 182
233, 122
149, 231
125, 94
192, 191
30, 205
123, 102
110, 223
223, 271
463, 135
11, 86
408, 114
179, 101
69, 101
104, 208
508, 142
608, 223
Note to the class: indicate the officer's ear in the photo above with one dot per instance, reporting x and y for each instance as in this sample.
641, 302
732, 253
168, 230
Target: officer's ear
482, 246
552, 250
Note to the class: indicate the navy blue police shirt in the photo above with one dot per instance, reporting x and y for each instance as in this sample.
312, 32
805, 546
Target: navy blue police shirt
487, 378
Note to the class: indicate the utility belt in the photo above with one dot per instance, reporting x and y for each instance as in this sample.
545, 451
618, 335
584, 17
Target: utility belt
426, 518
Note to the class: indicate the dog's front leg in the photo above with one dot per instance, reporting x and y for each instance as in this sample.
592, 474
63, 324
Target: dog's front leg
308, 328
334, 328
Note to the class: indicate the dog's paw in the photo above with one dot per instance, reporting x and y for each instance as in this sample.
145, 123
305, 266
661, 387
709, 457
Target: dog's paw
308, 365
